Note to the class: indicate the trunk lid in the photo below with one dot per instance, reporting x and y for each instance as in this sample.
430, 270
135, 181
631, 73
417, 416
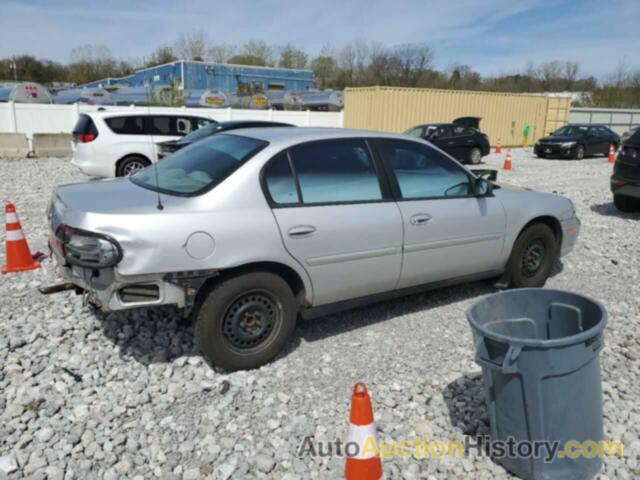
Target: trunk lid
468, 122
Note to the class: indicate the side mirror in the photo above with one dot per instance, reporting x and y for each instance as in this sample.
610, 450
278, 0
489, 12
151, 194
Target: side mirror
482, 187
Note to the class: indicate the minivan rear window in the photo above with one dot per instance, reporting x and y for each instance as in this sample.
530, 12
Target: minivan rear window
84, 126
199, 167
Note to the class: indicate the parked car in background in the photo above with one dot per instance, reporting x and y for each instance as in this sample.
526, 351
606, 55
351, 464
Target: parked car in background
119, 144
461, 139
170, 146
625, 181
626, 135
257, 226
577, 141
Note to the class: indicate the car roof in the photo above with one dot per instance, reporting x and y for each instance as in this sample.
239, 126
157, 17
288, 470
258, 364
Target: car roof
293, 135
585, 125
138, 113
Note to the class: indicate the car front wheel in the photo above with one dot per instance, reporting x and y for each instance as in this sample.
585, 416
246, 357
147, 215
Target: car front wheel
579, 153
245, 320
533, 256
626, 204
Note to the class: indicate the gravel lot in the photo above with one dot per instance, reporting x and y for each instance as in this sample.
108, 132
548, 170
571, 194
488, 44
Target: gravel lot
128, 395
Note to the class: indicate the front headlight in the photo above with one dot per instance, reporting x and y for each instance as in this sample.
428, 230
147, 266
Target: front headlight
88, 249
567, 144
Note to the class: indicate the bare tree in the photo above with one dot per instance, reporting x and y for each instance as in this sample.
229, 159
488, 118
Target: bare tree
415, 60
292, 57
220, 53
160, 56
260, 50
191, 46
571, 74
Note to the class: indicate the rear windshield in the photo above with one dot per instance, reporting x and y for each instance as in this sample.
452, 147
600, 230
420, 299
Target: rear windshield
85, 125
202, 132
200, 166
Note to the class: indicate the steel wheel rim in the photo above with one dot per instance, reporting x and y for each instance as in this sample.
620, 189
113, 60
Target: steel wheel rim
533, 258
133, 167
251, 320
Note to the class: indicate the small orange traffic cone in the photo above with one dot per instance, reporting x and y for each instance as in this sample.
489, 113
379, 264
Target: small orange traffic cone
612, 154
507, 161
498, 147
18, 256
365, 464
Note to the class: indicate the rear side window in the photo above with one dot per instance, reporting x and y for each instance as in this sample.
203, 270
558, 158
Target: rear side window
422, 172
462, 131
335, 171
279, 180
85, 126
128, 125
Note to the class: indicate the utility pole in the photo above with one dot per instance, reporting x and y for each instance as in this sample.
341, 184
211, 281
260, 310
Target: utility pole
13, 66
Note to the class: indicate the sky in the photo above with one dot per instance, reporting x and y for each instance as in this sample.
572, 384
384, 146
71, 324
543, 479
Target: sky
491, 36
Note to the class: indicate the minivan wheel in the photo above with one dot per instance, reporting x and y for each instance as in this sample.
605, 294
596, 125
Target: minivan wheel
533, 256
132, 165
245, 321
475, 156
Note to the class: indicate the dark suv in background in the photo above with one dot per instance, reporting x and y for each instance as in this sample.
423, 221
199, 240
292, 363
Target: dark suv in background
625, 181
462, 139
577, 141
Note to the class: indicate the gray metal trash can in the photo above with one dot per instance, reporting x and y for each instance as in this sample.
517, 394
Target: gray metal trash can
539, 352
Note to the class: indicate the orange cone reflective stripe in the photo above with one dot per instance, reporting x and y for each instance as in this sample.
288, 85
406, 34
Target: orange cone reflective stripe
366, 464
507, 161
17, 254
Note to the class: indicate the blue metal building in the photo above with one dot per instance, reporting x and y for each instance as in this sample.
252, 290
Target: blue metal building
194, 75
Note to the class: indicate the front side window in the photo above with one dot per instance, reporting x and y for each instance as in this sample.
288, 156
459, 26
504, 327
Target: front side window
422, 172
335, 171
200, 166
127, 125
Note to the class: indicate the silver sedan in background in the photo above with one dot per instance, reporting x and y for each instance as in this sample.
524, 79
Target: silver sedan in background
246, 230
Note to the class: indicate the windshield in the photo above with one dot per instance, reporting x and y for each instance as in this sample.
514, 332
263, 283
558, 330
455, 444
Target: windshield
571, 131
201, 133
200, 166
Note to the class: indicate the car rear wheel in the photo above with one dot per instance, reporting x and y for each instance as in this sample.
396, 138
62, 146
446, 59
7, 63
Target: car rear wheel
579, 153
533, 256
132, 165
245, 321
626, 204
475, 156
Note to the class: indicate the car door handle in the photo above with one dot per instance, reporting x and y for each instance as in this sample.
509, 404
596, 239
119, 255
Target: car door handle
420, 218
452, 142
301, 231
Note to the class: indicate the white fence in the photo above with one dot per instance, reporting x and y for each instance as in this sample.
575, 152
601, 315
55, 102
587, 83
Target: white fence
30, 118
618, 119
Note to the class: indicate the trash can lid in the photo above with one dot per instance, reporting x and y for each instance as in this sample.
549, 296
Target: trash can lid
526, 305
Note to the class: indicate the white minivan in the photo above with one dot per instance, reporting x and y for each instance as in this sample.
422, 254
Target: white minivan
119, 144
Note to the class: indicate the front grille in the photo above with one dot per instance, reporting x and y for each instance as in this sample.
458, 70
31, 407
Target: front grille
139, 293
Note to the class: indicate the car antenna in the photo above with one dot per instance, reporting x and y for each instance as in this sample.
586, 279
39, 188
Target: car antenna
159, 206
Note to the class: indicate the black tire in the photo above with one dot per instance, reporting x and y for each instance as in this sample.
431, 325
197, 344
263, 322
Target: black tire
579, 153
533, 257
131, 165
266, 305
541, 155
475, 156
626, 204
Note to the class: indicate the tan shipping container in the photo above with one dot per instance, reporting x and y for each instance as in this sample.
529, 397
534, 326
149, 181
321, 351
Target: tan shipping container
504, 115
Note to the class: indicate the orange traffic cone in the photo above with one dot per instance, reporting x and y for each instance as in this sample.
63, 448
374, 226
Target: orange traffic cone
498, 147
507, 161
18, 256
612, 154
366, 463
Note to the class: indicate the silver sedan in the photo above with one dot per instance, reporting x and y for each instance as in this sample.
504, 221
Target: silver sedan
246, 230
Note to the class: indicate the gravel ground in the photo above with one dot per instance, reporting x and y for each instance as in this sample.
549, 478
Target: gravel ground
128, 395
